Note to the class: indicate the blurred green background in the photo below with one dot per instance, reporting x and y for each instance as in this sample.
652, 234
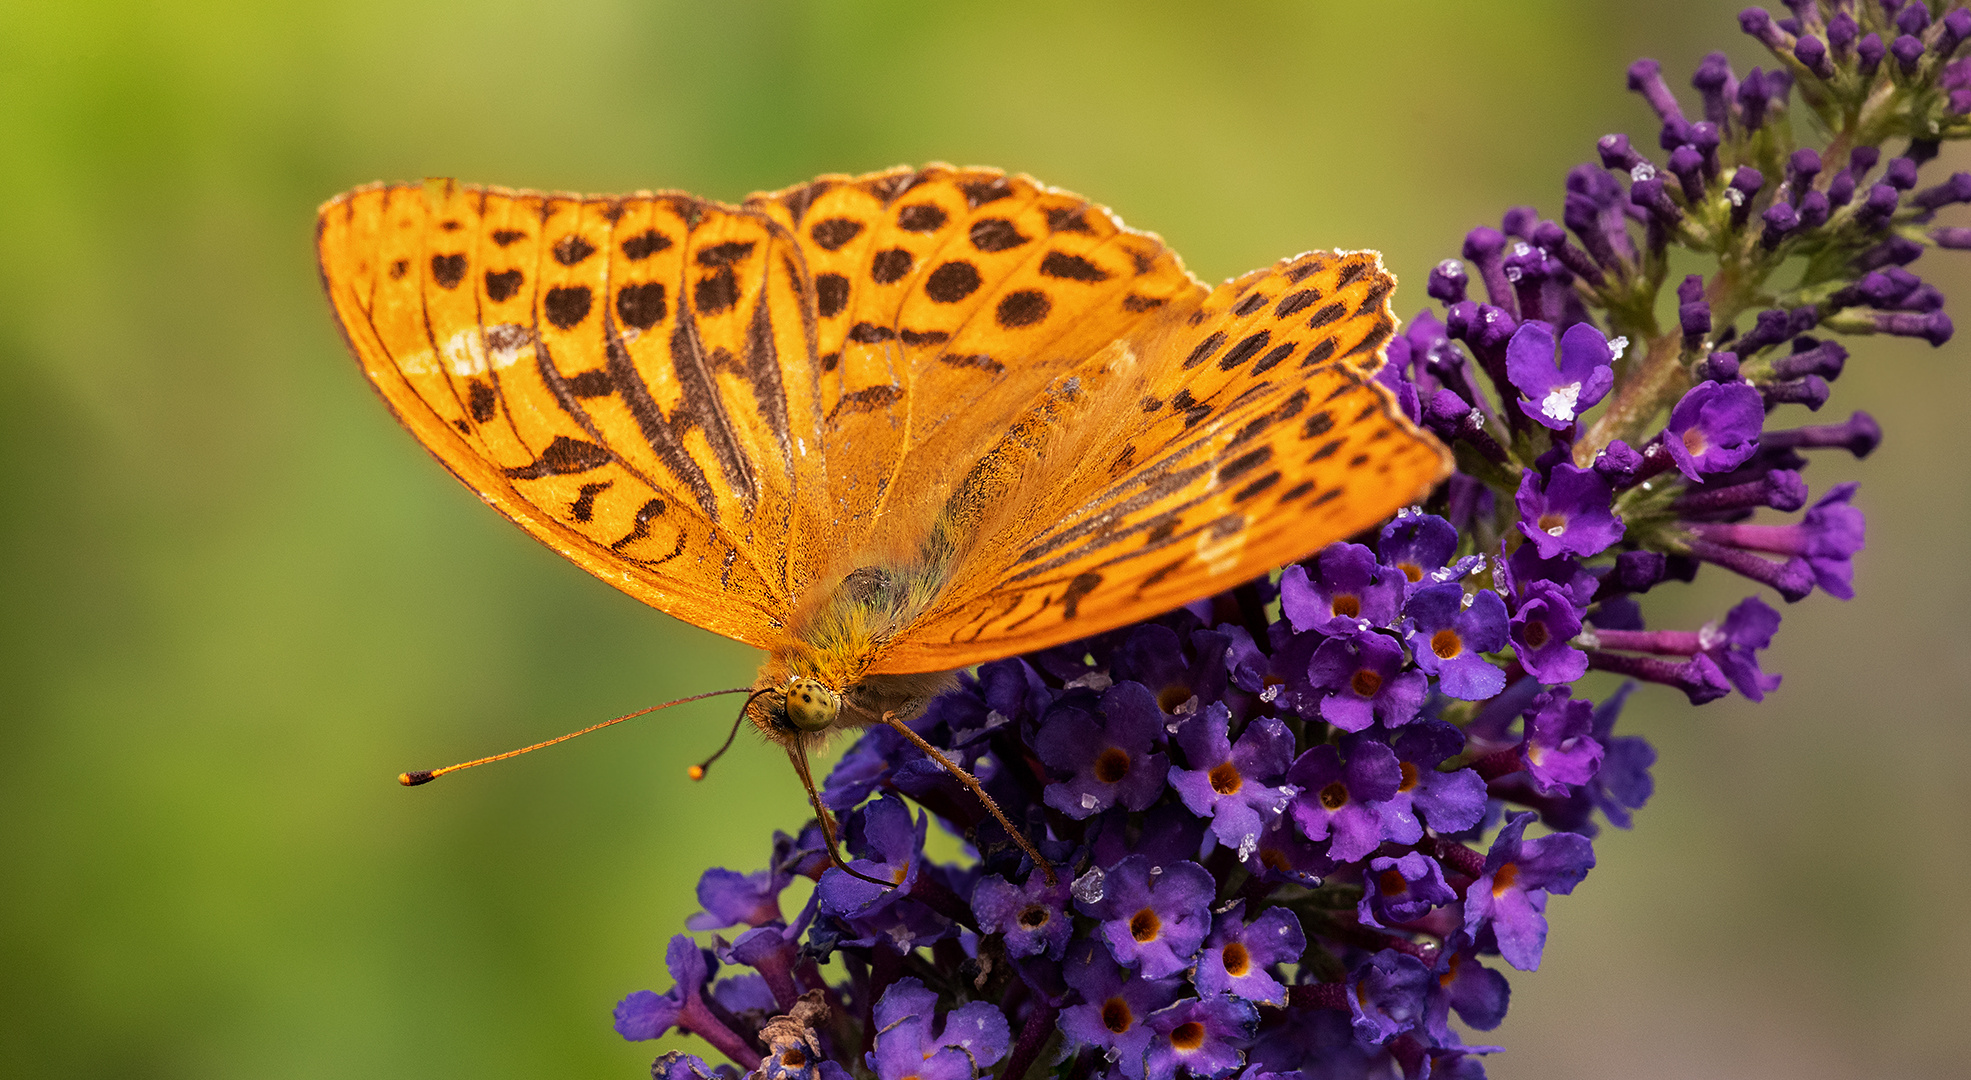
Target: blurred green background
239, 599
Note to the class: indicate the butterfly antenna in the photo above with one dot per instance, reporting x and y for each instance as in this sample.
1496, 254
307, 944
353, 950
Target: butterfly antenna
425, 776
798, 754
978, 789
698, 770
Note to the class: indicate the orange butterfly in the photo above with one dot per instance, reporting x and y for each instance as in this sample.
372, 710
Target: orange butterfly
882, 427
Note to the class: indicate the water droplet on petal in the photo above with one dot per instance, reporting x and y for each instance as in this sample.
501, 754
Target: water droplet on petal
1087, 888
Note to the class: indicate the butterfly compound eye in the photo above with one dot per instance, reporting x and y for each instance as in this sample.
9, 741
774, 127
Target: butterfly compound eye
812, 706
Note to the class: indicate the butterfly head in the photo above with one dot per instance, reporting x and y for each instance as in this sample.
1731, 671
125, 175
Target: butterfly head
810, 705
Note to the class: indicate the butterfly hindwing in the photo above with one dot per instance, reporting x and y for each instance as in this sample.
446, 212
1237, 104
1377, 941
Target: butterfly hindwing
1260, 436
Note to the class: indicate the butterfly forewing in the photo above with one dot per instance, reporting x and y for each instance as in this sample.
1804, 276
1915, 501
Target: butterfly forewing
1260, 438
484, 368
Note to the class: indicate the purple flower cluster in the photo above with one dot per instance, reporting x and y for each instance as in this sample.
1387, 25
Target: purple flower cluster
1294, 824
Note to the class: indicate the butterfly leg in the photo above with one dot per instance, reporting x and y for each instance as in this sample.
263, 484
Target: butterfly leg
978, 789
798, 755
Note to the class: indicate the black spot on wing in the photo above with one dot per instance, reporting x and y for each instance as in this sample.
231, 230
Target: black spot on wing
1244, 350
996, 234
641, 306
867, 399
832, 233
1275, 357
583, 508
891, 266
1067, 219
448, 270
1059, 264
1378, 334
980, 192
593, 383
725, 254
1081, 586
645, 514
645, 244
502, 284
1023, 307
572, 249
1244, 463
952, 282
568, 305
483, 401
831, 295
503, 237
921, 218
716, 292
1322, 351
1250, 304
562, 457
1327, 314
1295, 302
1204, 349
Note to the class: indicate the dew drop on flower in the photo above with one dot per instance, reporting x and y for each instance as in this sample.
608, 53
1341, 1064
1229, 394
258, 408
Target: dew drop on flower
1559, 402
1087, 888
1089, 801
1247, 845
995, 718
1643, 171
1270, 694
1094, 680
1618, 345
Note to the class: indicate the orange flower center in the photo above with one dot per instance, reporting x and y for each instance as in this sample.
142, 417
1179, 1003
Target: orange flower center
1144, 926
1409, 777
1347, 606
1188, 1036
1334, 796
1172, 696
1536, 634
1411, 570
1695, 442
1392, 883
1237, 960
1035, 917
1225, 779
1116, 1015
1112, 766
1365, 683
1447, 644
1503, 880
